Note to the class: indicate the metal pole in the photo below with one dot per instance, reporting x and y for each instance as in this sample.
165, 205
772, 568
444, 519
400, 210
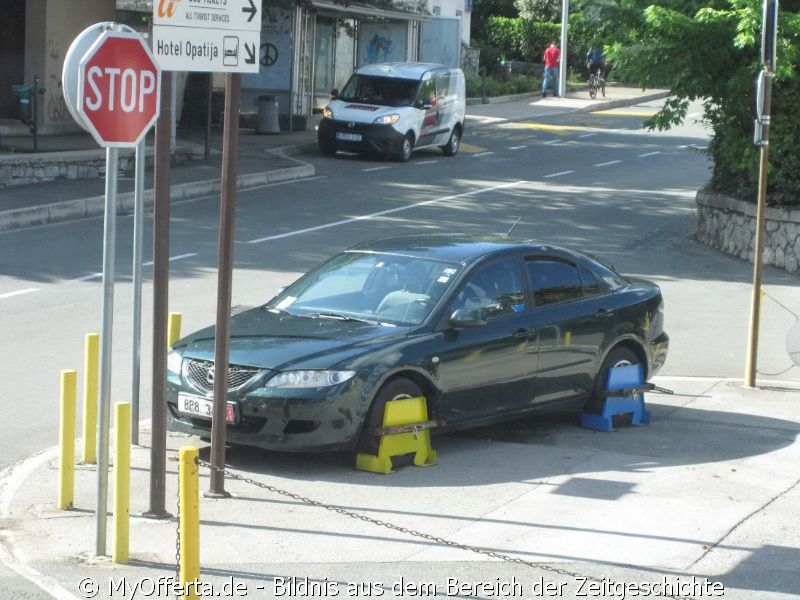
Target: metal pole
755, 302
138, 226
230, 147
562, 65
209, 99
107, 318
161, 199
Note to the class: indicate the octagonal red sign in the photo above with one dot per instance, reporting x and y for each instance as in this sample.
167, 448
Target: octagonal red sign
119, 84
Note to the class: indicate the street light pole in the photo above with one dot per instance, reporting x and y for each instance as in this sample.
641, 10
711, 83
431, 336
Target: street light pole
562, 70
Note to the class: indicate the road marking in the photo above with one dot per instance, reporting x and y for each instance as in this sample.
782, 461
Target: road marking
149, 263
426, 162
551, 142
382, 213
471, 148
559, 174
605, 164
649, 154
375, 169
18, 293
518, 147
87, 277
585, 135
555, 128
482, 154
626, 113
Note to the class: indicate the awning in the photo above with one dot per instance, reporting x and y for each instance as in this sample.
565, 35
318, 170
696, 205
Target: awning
354, 9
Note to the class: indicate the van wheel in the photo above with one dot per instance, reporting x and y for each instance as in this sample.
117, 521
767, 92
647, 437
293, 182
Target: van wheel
453, 144
406, 148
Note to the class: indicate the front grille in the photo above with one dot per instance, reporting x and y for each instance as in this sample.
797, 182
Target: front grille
199, 373
357, 127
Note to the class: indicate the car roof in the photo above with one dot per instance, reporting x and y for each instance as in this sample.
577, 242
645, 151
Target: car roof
402, 70
460, 248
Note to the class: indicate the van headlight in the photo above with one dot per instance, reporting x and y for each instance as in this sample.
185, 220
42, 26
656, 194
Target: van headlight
327, 113
309, 379
387, 119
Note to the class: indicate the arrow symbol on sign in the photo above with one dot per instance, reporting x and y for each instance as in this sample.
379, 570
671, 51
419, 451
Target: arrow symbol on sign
250, 49
251, 9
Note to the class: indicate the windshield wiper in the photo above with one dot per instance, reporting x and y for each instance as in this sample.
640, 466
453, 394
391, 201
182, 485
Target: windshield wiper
336, 316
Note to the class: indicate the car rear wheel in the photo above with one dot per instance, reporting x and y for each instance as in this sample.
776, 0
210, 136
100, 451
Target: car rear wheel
406, 148
453, 144
395, 389
618, 357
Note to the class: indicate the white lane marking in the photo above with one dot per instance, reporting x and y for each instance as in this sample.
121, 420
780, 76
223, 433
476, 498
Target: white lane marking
584, 135
87, 277
18, 293
559, 174
383, 212
551, 142
649, 154
518, 147
149, 263
479, 154
375, 169
426, 162
605, 164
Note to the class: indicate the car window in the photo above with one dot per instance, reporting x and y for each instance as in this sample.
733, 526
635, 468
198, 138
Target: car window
553, 280
591, 284
496, 288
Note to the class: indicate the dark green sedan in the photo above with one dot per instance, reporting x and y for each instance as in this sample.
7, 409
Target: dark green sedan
485, 328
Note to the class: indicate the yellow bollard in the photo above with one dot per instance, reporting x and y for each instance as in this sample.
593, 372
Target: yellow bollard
189, 517
66, 440
90, 379
173, 328
122, 481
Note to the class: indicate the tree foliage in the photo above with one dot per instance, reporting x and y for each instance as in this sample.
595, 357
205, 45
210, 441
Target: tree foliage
709, 50
548, 11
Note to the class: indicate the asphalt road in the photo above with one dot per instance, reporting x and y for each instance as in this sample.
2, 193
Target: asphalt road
596, 181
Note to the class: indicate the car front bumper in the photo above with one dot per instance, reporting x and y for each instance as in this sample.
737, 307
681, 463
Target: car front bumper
378, 139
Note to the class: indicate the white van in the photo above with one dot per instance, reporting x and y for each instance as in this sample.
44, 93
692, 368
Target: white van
395, 108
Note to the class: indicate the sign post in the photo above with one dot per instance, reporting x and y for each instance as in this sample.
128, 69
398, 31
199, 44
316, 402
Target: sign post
769, 35
211, 37
115, 97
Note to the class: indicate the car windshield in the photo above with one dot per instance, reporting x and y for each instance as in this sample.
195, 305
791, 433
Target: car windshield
391, 289
383, 91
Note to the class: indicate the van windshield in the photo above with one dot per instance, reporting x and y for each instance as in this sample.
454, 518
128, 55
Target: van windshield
382, 91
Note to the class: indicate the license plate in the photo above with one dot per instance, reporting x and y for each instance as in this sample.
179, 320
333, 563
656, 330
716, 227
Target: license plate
348, 137
197, 406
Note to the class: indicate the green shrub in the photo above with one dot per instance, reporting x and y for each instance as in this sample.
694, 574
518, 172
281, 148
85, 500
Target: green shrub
491, 86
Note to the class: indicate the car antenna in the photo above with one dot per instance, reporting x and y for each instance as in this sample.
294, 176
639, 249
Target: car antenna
510, 229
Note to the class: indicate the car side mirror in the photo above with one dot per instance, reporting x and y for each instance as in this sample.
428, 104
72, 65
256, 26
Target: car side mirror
468, 317
334, 93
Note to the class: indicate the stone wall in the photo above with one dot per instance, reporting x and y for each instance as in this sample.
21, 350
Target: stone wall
21, 169
729, 224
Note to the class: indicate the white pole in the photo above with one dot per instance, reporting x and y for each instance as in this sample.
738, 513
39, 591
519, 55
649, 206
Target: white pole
138, 228
562, 67
107, 318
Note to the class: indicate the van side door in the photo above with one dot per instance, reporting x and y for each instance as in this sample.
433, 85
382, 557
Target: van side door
433, 100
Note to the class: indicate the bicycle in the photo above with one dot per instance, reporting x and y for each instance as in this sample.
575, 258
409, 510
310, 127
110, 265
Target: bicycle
596, 82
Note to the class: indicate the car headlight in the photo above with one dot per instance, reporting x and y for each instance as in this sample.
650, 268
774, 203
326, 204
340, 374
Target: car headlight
309, 379
387, 119
327, 113
174, 362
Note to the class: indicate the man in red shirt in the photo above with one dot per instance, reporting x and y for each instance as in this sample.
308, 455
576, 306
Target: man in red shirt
552, 55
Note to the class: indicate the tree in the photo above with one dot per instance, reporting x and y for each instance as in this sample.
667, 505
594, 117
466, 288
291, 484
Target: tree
711, 51
539, 10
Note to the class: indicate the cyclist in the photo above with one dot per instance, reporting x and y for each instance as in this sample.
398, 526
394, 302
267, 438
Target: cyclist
594, 58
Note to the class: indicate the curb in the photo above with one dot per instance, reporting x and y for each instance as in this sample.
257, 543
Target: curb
82, 208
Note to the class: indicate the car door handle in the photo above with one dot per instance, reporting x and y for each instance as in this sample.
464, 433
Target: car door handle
525, 334
604, 313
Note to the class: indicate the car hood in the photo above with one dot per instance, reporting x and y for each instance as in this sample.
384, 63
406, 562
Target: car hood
280, 341
359, 112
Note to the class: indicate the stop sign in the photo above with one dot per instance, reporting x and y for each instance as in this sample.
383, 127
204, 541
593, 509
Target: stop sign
119, 85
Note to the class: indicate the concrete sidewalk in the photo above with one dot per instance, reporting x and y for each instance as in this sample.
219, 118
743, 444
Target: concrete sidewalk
700, 503
262, 159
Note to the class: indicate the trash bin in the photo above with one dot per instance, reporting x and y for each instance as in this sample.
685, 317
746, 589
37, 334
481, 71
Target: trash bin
268, 115
23, 102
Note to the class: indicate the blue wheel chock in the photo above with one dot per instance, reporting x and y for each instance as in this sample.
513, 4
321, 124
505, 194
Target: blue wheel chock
625, 395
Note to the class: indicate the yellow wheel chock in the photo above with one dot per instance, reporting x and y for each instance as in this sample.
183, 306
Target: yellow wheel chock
405, 430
